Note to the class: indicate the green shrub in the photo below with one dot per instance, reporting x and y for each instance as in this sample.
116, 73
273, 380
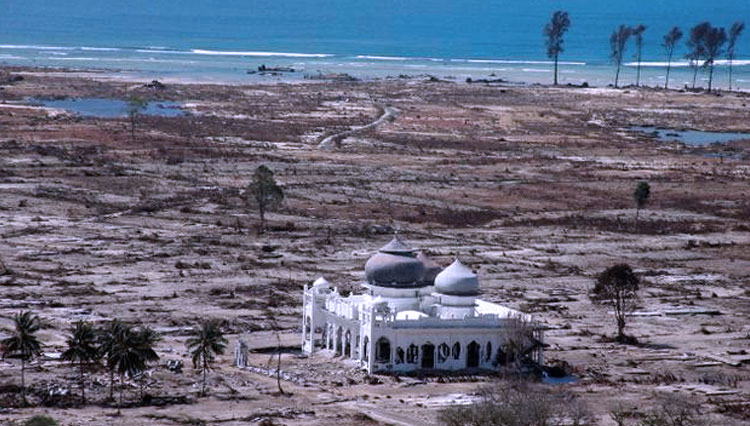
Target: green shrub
41, 421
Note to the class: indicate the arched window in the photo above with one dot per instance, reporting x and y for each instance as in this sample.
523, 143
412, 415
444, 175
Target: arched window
399, 355
472, 355
348, 343
383, 350
456, 350
308, 321
488, 354
366, 353
443, 352
412, 354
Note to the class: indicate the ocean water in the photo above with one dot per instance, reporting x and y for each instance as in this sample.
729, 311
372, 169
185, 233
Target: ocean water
221, 40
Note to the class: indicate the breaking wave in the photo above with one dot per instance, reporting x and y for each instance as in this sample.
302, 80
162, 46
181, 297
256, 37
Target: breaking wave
254, 53
683, 63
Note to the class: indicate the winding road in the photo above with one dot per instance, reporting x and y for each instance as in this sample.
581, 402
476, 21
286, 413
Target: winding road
389, 113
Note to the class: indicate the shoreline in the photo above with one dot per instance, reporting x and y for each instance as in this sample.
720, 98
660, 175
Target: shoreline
145, 77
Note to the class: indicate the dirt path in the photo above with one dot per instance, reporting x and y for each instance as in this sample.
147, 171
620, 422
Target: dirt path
389, 113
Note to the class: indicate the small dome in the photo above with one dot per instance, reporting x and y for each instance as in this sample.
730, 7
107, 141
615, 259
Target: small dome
457, 280
321, 282
431, 268
394, 265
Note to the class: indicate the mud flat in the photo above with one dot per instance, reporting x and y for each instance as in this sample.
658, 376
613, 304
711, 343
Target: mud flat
530, 185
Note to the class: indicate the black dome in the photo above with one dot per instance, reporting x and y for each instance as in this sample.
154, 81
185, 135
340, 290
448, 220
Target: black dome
395, 265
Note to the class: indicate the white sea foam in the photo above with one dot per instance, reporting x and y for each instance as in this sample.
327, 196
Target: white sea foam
682, 63
519, 62
383, 58
162, 52
33, 47
253, 53
136, 60
100, 49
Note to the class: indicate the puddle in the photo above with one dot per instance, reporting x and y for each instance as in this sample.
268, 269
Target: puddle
557, 380
107, 107
689, 137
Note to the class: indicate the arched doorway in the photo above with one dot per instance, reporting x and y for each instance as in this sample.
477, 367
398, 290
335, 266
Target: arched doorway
472, 355
383, 350
428, 355
339, 343
365, 351
348, 343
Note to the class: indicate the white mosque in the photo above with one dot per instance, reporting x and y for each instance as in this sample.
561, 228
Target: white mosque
415, 315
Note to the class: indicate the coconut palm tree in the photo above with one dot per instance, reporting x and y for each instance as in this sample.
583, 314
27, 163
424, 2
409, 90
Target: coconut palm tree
670, 41
637, 33
82, 348
130, 352
618, 42
108, 337
23, 343
206, 342
554, 32
734, 33
146, 338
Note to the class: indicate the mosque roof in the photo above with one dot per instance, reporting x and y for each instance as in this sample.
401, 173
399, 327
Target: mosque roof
457, 280
395, 266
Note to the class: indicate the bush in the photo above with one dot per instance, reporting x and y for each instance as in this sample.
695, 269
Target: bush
40, 420
519, 403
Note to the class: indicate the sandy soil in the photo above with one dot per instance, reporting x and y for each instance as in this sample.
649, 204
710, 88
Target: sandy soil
530, 185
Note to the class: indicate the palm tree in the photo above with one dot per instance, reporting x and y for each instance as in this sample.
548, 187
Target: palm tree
146, 338
696, 47
618, 42
670, 40
714, 40
82, 347
734, 33
554, 32
207, 342
131, 351
23, 343
637, 33
108, 336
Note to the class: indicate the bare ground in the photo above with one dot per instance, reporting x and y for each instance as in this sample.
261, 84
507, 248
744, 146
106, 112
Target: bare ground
531, 186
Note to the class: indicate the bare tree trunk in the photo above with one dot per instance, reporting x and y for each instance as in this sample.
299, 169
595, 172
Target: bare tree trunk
203, 385
111, 384
262, 214
731, 58
556, 55
637, 212
669, 66
695, 74
122, 385
23, 380
710, 77
278, 364
83, 385
617, 75
638, 70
